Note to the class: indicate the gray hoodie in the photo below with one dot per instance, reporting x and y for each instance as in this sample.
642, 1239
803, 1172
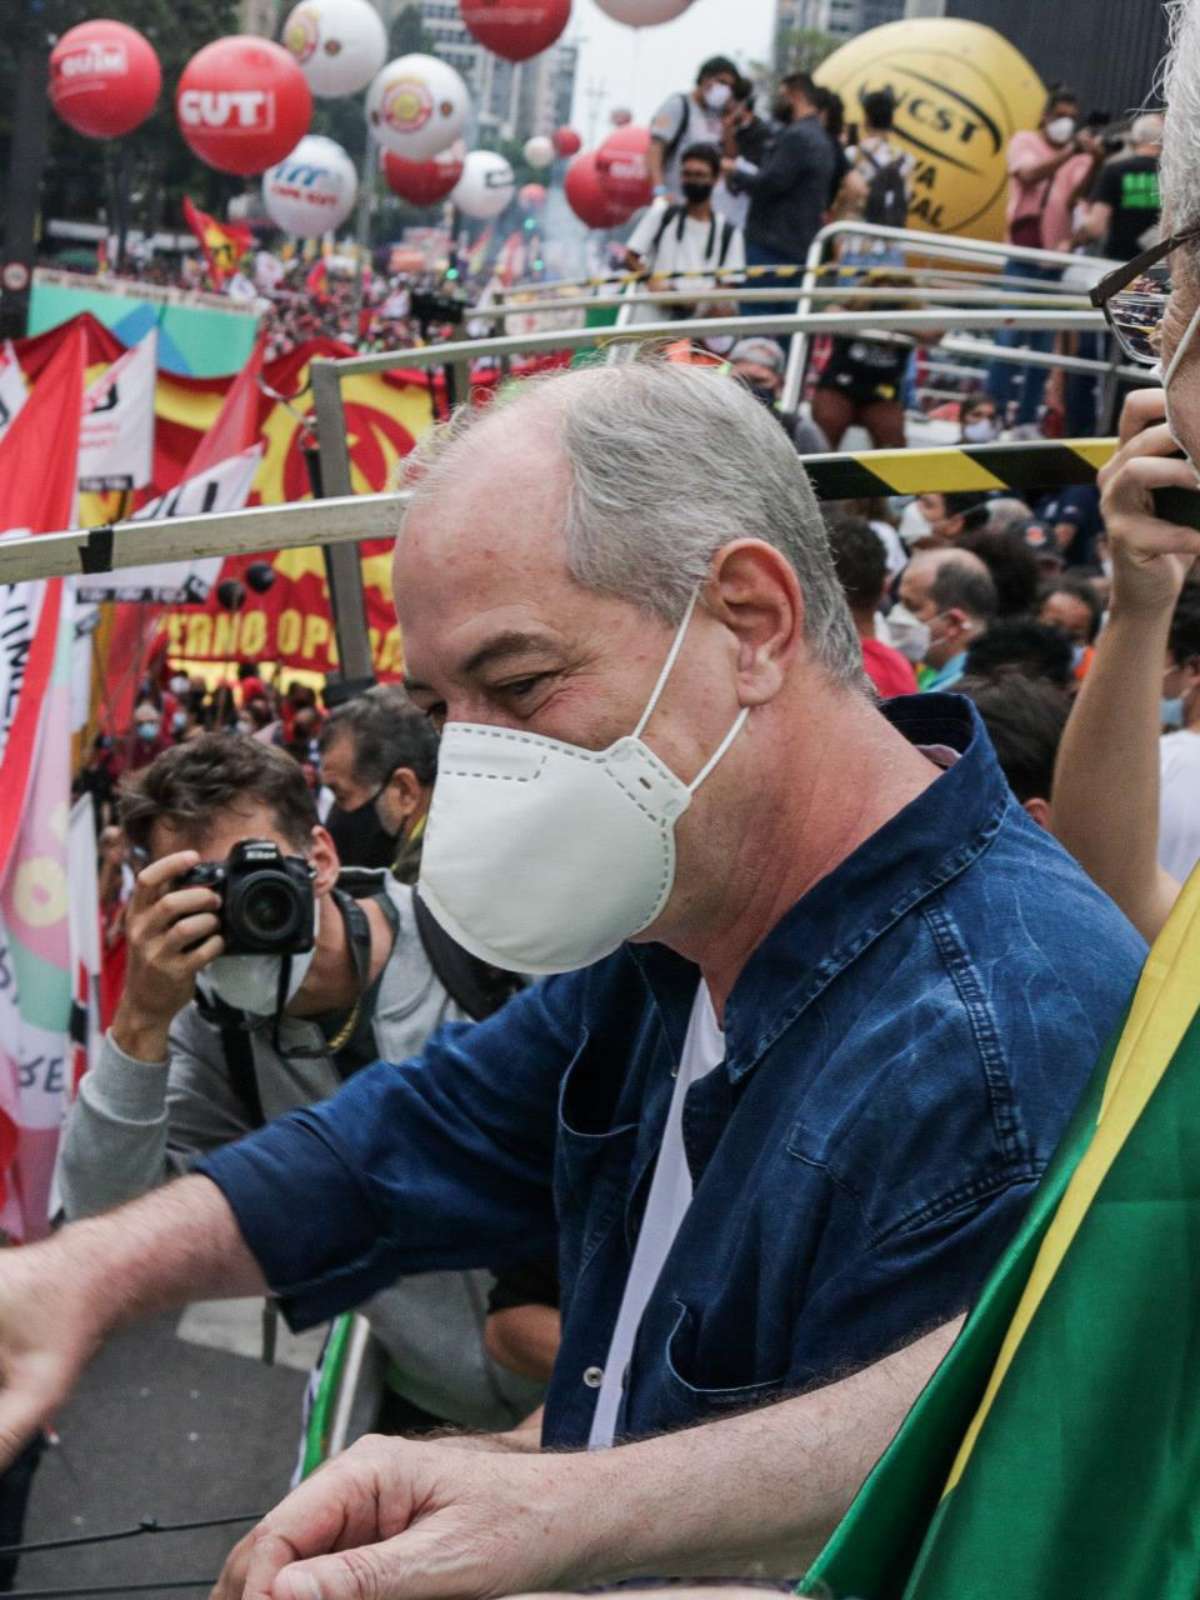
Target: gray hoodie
135, 1124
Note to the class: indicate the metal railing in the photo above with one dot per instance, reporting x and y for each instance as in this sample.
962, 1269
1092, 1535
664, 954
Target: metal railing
924, 244
339, 523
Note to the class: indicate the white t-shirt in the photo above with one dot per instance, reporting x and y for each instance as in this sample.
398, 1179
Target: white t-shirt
1179, 803
702, 127
687, 246
666, 1206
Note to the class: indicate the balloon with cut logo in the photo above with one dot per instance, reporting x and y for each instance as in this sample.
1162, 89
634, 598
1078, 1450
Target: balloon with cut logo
311, 191
567, 142
339, 45
539, 151
104, 78
623, 163
486, 186
516, 29
242, 104
417, 106
424, 183
588, 198
643, 13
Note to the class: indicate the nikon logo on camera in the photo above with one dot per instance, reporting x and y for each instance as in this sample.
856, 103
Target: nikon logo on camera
961, 92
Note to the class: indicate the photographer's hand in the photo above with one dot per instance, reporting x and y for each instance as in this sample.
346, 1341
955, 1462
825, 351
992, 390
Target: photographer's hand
173, 934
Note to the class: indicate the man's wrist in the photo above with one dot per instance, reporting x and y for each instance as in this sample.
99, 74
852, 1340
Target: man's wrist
140, 1037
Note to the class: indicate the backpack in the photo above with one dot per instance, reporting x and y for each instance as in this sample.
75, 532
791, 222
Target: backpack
887, 193
676, 138
678, 216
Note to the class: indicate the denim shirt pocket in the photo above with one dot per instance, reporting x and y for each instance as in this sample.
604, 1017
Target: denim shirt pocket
687, 1398
593, 1153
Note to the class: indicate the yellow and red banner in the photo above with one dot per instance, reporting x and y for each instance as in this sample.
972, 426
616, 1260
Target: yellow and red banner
291, 623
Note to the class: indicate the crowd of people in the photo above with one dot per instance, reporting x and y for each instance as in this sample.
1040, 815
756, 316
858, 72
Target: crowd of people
673, 990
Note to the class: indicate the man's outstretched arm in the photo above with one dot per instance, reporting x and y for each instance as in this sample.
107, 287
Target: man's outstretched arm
756, 1495
58, 1300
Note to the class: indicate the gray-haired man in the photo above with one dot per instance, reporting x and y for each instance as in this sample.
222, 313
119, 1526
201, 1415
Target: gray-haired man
787, 1093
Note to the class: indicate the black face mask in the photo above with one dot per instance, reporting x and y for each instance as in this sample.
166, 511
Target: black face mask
360, 836
781, 108
696, 193
764, 394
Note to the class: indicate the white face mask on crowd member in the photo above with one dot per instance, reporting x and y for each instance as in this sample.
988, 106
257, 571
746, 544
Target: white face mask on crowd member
914, 524
717, 96
908, 633
981, 431
1061, 130
588, 834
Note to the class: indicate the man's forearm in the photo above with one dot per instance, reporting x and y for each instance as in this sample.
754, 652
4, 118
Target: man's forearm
757, 1494
180, 1243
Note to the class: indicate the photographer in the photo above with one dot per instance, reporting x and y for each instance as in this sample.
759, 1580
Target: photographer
207, 1044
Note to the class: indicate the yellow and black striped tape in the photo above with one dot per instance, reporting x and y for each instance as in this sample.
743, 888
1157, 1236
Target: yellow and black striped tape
1036, 467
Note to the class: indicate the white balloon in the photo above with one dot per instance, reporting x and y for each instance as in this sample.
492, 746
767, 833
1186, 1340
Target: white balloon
417, 106
486, 186
313, 190
643, 13
539, 151
339, 44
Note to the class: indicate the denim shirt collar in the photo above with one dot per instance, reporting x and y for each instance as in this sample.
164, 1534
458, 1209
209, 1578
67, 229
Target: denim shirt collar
933, 839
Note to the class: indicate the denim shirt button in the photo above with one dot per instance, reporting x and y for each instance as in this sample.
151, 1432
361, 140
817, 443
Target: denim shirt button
593, 1377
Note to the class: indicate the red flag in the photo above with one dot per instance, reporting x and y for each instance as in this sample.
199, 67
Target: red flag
40, 451
223, 243
236, 427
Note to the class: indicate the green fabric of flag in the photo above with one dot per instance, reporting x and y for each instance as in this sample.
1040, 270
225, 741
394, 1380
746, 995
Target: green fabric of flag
1056, 1451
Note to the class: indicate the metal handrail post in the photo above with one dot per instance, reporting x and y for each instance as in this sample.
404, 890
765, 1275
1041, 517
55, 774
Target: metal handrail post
347, 601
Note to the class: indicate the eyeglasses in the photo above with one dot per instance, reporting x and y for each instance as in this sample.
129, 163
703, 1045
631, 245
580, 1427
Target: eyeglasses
1134, 299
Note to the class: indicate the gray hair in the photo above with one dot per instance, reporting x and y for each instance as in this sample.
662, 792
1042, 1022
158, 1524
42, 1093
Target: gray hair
1180, 77
668, 463
388, 732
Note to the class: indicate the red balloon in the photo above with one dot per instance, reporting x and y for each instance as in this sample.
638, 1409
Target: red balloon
588, 198
623, 163
532, 197
423, 183
516, 29
243, 104
567, 142
104, 78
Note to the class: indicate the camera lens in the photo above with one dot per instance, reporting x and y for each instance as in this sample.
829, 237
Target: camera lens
269, 911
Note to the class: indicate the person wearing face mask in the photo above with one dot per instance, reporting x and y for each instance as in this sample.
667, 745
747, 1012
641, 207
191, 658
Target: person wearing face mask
379, 757
979, 422
205, 1046
948, 598
689, 239
684, 120
149, 738
1048, 171
935, 521
753, 1100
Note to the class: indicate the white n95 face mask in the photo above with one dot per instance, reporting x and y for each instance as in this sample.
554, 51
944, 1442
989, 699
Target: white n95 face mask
250, 983
540, 856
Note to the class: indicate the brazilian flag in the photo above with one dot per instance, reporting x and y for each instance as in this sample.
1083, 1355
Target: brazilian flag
1056, 1451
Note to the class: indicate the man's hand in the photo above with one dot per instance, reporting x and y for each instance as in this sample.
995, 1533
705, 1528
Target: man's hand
172, 934
394, 1518
1151, 558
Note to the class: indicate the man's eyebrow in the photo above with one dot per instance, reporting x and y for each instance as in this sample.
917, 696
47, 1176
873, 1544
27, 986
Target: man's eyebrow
501, 648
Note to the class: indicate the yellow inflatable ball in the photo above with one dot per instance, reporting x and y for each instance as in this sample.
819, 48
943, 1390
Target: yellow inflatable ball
961, 92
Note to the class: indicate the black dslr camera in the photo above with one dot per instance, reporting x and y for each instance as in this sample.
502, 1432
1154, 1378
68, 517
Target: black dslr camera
267, 905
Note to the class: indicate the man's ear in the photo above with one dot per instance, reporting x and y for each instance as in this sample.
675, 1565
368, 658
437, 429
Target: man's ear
1039, 810
754, 592
323, 858
407, 792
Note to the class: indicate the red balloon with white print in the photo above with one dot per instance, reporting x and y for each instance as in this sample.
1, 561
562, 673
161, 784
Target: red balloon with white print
243, 104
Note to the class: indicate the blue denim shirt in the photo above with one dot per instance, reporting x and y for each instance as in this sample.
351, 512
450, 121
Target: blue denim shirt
902, 1054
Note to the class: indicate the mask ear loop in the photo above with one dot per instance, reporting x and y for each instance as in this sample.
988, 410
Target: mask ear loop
668, 664
1181, 348
656, 695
